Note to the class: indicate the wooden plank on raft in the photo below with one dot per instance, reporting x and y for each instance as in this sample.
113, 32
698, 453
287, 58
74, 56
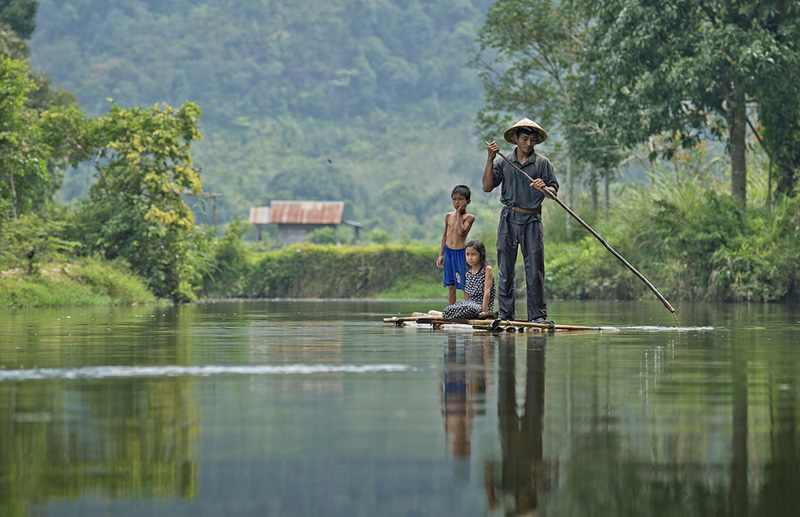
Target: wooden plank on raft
434, 319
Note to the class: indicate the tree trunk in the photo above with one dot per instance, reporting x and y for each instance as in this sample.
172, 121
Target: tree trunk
593, 187
13, 194
570, 196
736, 117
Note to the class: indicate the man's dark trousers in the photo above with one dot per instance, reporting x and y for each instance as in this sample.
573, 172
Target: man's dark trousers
529, 237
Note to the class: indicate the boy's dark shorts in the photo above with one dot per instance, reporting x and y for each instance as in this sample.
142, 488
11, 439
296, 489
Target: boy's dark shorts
455, 267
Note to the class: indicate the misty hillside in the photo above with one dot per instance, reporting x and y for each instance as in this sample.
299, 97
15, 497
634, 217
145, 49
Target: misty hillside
368, 101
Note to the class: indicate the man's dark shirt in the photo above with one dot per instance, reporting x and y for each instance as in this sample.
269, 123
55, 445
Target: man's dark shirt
516, 189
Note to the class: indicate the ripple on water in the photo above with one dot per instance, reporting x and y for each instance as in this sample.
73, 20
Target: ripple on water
103, 372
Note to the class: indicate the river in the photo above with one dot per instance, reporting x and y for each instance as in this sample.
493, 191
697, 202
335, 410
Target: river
319, 408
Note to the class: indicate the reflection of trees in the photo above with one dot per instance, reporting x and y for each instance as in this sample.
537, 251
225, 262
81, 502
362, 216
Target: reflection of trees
686, 425
738, 486
523, 474
706, 429
125, 438
117, 437
780, 494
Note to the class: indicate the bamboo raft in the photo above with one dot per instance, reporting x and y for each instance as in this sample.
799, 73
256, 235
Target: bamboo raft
435, 320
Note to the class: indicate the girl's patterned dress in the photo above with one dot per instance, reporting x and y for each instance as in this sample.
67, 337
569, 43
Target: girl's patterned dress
472, 307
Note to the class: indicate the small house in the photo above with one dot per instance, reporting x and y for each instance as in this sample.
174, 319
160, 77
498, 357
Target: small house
296, 219
259, 216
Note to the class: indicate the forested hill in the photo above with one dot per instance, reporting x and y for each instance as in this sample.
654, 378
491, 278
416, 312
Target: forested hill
368, 101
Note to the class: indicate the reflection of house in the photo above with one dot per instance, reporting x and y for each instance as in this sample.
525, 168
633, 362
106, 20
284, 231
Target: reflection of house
295, 219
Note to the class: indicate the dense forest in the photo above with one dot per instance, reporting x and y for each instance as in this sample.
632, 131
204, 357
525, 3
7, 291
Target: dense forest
369, 102
674, 129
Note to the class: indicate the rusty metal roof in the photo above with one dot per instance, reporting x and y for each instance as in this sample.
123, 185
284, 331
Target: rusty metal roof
259, 215
306, 212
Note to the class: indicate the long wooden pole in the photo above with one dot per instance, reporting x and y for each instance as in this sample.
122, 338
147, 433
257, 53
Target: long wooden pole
555, 198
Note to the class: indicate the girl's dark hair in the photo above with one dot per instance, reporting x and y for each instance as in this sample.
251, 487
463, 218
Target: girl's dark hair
480, 248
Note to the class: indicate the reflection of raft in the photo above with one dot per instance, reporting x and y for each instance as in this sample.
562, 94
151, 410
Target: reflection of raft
435, 320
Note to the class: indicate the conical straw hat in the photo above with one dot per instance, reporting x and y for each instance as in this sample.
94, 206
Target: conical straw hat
511, 133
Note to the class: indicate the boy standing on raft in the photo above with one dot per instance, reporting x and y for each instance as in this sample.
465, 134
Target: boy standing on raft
520, 220
452, 256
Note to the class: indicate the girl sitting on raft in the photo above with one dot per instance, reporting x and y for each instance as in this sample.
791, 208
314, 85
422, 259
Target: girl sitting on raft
479, 288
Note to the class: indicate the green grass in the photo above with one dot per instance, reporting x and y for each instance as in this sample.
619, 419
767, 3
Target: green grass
84, 284
413, 289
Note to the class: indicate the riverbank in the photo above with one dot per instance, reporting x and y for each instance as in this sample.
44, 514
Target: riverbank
574, 271
85, 283
325, 271
702, 246
308, 271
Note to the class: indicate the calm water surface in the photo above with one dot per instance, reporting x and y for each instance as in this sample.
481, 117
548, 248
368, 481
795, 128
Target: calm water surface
319, 408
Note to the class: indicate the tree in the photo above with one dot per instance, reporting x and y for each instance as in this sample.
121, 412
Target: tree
144, 167
22, 157
780, 118
11, 45
20, 15
527, 50
271, 75
682, 67
32, 141
779, 102
527, 55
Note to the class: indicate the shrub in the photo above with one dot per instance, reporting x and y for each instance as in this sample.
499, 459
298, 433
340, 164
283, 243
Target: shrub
231, 263
690, 242
311, 271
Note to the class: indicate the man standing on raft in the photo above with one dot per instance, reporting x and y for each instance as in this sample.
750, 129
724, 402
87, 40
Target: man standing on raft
520, 220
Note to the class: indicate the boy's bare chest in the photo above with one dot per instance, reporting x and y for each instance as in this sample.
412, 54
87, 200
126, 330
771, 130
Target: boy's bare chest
455, 218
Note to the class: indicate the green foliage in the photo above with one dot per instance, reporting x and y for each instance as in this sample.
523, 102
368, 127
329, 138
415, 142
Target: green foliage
20, 15
378, 236
525, 56
11, 45
114, 280
312, 271
326, 235
688, 232
528, 60
619, 73
584, 270
326, 60
32, 146
22, 165
670, 67
415, 288
45, 293
301, 100
39, 266
779, 105
34, 151
332, 103
232, 263
87, 282
690, 242
762, 265
31, 240
779, 97
324, 184
136, 207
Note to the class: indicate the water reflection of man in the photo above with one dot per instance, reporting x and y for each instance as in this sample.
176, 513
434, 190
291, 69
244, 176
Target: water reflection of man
463, 383
518, 480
